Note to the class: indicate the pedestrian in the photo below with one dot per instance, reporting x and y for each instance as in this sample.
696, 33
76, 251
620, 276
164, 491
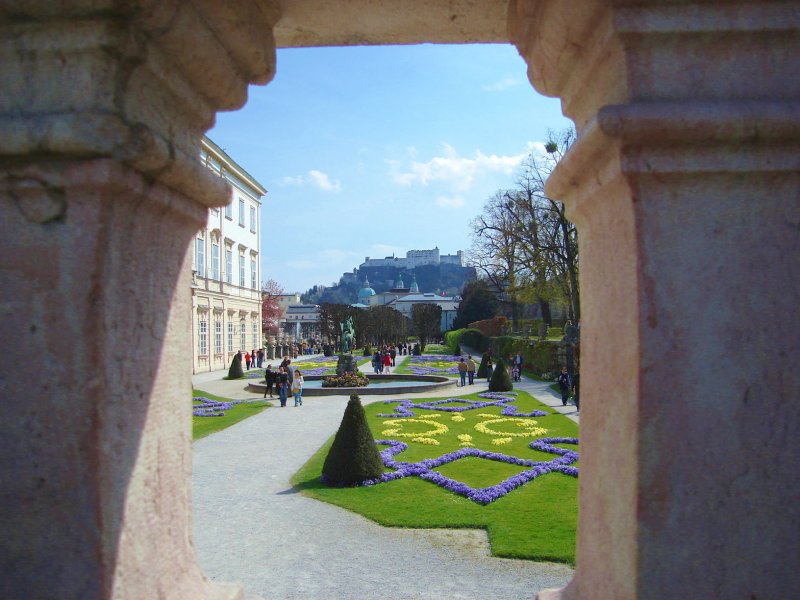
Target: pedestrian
471, 369
576, 389
297, 387
247, 360
290, 369
260, 357
462, 371
489, 369
269, 378
377, 362
393, 354
387, 363
282, 385
564, 384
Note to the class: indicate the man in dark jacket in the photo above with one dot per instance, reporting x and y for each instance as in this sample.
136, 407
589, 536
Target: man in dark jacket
564, 383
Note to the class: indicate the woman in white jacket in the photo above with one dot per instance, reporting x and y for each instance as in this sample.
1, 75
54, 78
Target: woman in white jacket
297, 388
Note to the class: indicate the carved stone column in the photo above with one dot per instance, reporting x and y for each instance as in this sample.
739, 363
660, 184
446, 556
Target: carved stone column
684, 185
101, 189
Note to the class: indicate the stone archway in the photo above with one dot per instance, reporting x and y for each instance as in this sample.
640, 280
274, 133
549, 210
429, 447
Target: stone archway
684, 181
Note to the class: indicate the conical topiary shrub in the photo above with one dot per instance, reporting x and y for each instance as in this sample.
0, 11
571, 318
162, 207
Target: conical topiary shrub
501, 378
235, 372
481, 374
353, 457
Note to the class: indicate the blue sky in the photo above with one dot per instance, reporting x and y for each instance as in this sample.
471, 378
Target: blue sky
369, 151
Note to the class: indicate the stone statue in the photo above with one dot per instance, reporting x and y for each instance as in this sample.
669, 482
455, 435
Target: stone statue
348, 335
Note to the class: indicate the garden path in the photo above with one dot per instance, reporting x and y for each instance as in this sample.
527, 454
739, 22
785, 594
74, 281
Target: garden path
251, 527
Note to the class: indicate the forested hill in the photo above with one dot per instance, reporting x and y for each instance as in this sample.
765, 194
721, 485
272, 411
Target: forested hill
443, 278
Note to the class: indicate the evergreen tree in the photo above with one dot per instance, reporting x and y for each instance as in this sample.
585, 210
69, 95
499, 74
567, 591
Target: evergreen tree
353, 457
235, 370
481, 373
501, 378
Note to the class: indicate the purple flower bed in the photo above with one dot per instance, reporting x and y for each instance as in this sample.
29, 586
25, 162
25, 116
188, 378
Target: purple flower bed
420, 365
503, 399
212, 408
425, 468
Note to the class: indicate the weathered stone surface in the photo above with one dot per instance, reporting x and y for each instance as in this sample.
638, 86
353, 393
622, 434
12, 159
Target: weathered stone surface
683, 183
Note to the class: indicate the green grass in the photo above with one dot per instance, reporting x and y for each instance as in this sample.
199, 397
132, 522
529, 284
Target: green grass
203, 426
437, 349
536, 521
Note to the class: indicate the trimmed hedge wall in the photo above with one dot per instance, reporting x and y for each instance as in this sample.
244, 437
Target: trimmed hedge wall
537, 356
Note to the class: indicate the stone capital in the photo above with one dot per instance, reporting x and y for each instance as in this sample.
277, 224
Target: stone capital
139, 82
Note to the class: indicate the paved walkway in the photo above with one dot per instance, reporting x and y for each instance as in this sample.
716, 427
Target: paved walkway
251, 527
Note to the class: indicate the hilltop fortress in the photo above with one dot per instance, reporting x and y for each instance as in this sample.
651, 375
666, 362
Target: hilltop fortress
416, 258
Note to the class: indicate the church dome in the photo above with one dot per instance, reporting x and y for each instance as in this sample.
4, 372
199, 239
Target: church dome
365, 292
414, 286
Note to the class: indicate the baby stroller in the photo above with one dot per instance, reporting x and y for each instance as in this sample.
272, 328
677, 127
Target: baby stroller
515, 375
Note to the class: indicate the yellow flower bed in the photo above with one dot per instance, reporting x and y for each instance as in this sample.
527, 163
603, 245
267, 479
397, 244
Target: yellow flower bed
422, 437
465, 439
531, 430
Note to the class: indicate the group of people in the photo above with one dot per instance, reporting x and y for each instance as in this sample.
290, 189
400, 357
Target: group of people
254, 359
384, 360
466, 368
287, 379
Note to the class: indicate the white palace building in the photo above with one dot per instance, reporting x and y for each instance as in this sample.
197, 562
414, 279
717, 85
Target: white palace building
226, 291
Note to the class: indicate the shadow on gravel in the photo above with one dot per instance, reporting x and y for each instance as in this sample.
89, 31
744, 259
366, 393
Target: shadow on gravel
291, 490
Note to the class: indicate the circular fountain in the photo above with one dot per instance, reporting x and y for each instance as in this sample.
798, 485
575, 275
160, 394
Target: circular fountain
378, 384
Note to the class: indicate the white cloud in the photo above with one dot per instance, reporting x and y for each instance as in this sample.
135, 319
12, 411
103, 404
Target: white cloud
323, 182
288, 180
315, 178
457, 170
450, 202
501, 84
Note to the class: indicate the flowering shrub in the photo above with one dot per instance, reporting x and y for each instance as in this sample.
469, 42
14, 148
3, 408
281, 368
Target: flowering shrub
346, 379
424, 469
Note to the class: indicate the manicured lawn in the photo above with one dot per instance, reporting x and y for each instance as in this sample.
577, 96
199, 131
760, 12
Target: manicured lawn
203, 426
535, 521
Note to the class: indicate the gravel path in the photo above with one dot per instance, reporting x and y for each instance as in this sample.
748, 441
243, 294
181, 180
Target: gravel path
251, 527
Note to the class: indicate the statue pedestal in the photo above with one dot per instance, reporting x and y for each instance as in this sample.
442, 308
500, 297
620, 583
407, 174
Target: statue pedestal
346, 363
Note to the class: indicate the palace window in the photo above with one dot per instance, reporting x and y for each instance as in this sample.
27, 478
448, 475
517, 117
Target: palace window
203, 337
201, 256
228, 264
255, 333
243, 335
241, 270
253, 274
217, 336
229, 212
215, 259
241, 212
253, 219
230, 336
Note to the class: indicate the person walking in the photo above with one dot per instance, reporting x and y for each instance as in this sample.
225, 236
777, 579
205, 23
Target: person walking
471, 369
462, 371
247, 360
489, 369
269, 378
297, 387
393, 354
564, 384
377, 362
387, 362
282, 385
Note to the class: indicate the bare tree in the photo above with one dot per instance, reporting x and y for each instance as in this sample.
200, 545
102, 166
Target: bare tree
523, 241
426, 320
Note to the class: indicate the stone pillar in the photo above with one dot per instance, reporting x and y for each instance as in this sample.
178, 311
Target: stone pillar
684, 185
102, 110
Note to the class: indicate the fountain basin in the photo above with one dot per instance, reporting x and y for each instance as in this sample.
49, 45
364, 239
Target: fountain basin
378, 385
